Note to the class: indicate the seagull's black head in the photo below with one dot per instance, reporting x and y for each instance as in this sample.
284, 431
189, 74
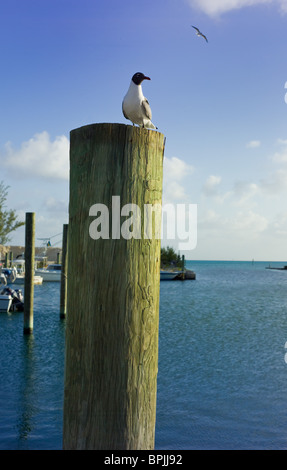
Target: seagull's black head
139, 77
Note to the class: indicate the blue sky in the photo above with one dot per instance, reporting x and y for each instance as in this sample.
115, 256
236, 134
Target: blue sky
221, 106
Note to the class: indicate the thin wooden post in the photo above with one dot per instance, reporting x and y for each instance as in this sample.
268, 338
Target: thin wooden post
29, 272
113, 289
63, 293
183, 267
7, 260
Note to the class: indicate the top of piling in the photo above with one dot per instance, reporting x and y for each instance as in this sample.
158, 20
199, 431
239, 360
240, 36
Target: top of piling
136, 129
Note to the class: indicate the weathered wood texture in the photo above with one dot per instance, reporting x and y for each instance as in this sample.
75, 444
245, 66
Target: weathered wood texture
64, 271
113, 293
29, 272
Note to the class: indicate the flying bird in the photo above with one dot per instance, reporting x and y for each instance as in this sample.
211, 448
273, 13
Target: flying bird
198, 33
135, 106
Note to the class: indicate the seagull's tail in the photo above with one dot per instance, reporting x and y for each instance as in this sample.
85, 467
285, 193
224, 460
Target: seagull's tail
149, 125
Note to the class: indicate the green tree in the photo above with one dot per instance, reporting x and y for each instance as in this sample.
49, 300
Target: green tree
8, 218
169, 257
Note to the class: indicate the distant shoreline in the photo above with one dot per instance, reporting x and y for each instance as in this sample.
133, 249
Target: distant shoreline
50, 252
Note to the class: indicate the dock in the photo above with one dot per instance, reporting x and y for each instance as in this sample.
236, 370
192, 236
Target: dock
278, 269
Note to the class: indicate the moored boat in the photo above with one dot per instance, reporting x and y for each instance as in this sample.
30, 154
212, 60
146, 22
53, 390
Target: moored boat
5, 302
51, 273
16, 297
168, 275
16, 274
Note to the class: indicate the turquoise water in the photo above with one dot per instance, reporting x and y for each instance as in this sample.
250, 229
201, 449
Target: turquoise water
223, 384
222, 374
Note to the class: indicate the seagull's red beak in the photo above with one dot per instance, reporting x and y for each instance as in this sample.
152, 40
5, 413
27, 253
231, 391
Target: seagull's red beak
146, 78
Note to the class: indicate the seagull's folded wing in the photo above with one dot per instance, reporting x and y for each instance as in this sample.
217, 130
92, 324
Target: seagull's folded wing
146, 108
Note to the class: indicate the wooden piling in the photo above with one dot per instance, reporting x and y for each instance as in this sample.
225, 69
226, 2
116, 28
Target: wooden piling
183, 267
113, 290
63, 292
29, 272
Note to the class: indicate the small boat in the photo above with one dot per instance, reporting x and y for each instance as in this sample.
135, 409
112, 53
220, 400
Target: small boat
5, 302
168, 275
14, 299
3, 278
51, 273
16, 274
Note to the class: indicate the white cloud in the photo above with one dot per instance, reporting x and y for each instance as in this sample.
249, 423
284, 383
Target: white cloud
211, 220
210, 187
275, 183
249, 222
283, 6
241, 224
176, 169
174, 190
174, 172
243, 217
243, 192
39, 156
217, 7
54, 205
253, 144
281, 157
244, 228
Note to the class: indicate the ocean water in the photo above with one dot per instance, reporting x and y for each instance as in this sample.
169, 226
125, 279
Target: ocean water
222, 379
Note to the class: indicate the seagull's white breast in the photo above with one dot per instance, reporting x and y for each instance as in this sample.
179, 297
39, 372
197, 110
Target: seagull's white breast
132, 104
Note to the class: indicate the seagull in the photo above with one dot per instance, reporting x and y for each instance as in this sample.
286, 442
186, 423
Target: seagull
198, 33
135, 106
